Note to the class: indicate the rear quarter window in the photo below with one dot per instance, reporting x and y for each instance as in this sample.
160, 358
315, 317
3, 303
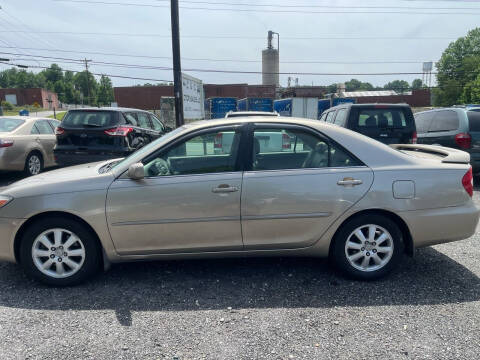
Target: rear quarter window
90, 119
473, 120
445, 120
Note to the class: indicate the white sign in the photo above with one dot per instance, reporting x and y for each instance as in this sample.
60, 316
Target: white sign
193, 98
427, 66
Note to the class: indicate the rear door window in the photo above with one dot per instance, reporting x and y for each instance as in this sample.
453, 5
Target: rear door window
44, 127
131, 119
157, 125
90, 119
444, 120
143, 121
473, 120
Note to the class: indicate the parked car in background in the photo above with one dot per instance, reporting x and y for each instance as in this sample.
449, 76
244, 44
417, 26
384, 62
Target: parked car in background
26, 143
94, 134
454, 127
388, 123
343, 195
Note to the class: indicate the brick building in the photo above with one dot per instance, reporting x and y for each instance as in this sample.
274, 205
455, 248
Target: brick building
45, 98
148, 97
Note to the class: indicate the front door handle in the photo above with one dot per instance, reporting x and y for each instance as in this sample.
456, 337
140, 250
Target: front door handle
348, 181
224, 188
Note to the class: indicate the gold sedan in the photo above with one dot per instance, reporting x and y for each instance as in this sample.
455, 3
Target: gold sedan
26, 143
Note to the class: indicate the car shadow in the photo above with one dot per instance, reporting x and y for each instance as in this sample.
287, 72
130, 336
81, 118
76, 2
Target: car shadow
429, 278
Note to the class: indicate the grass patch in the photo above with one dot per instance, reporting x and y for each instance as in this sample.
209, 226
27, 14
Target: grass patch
60, 115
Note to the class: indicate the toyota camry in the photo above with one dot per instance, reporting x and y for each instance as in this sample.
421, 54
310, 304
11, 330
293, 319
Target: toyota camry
252, 186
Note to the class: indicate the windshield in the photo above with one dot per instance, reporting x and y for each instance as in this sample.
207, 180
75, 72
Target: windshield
89, 118
8, 125
150, 147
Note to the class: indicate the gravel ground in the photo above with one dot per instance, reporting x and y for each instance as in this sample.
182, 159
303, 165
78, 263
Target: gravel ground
250, 308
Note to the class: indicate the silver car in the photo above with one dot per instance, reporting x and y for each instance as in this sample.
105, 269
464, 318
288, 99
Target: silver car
26, 143
332, 193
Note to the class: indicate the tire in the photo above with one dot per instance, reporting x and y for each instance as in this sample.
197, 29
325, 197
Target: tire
364, 259
66, 260
33, 164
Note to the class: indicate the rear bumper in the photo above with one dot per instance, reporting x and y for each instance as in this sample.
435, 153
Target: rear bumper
436, 226
70, 157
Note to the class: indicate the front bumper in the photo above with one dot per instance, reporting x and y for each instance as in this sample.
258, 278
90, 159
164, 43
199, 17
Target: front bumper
8, 229
437, 226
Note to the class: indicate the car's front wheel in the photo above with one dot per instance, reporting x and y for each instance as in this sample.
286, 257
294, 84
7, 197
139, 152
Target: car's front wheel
368, 247
59, 252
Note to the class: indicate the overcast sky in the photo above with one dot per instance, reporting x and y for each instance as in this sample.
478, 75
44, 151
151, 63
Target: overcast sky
145, 30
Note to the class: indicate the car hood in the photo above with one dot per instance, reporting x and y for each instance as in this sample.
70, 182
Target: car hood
72, 179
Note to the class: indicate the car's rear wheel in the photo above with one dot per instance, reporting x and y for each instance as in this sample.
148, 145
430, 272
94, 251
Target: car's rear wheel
368, 247
59, 252
33, 164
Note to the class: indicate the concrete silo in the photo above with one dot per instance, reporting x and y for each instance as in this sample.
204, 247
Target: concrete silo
271, 62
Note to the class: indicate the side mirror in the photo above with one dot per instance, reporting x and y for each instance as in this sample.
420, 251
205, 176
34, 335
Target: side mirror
136, 171
168, 129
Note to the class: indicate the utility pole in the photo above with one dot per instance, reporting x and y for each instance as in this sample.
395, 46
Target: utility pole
177, 68
88, 80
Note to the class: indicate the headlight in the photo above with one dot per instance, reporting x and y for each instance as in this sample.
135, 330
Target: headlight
4, 200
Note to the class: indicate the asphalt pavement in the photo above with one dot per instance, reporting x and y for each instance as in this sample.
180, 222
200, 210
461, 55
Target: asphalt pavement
250, 309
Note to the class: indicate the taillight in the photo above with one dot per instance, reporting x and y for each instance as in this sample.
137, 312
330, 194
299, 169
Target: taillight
218, 141
59, 130
414, 137
467, 182
6, 143
119, 131
286, 141
464, 140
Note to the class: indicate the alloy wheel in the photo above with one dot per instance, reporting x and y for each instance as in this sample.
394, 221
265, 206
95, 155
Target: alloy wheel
369, 247
34, 165
58, 253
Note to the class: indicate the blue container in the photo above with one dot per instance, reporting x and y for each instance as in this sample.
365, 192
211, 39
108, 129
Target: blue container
283, 107
338, 101
24, 112
255, 104
323, 105
217, 107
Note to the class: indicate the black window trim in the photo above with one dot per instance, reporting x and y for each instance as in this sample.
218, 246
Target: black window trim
238, 161
248, 153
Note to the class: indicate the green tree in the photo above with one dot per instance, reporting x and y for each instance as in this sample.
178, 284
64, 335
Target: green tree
53, 74
357, 85
417, 84
458, 66
87, 85
105, 91
399, 86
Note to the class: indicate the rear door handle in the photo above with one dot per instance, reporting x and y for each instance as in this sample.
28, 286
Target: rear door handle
349, 182
225, 188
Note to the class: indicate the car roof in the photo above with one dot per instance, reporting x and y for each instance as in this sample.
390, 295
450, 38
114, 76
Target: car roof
457, 109
108, 108
349, 104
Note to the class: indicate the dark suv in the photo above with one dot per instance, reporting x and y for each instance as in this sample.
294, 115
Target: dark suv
453, 127
95, 134
388, 123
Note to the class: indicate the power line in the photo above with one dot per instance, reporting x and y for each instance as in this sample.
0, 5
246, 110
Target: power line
274, 10
211, 59
298, 5
158, 35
